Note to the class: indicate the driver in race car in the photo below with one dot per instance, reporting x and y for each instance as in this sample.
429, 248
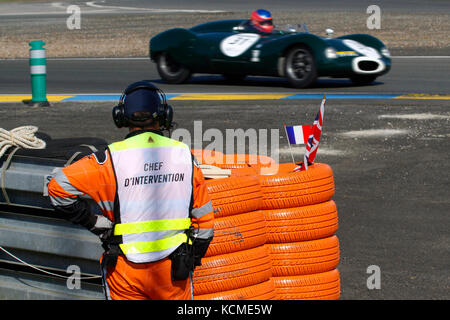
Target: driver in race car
261, 20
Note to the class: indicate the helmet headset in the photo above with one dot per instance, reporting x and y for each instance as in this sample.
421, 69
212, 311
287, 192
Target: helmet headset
159, 109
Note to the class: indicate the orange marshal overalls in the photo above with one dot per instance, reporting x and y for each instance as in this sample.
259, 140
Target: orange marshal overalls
137, 182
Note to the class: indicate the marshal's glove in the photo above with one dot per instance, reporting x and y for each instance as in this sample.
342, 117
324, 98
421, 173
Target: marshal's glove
199, 248
102, 227
199, 245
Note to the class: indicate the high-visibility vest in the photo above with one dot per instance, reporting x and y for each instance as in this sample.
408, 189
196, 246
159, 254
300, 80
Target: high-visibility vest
154, 189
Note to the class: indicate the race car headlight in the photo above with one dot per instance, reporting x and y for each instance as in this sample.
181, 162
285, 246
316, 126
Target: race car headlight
330, 53
385, 52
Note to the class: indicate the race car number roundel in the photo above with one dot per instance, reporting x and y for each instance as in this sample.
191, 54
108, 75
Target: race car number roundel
237, 44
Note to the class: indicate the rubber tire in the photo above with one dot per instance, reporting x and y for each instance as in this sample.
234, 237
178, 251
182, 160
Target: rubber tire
287, 190
287, 167
311, 76
180, 76
238, 232
232, 161
319, 286
232, 271
205, 156
301, 223
220, 160
304, 257
234, 195
257, 160
245, 171
258, 169
224, 165
261, 291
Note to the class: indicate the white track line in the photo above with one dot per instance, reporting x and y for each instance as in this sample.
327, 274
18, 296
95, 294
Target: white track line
94, 5
59, 5
91, 7
373, 133
414, 116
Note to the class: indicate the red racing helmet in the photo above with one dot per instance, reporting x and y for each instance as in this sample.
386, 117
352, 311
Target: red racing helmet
262, 20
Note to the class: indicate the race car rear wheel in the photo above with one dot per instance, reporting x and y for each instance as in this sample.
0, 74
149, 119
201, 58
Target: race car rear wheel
170, 70
300, 67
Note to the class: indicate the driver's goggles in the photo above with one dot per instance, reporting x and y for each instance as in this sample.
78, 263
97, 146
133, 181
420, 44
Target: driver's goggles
266, 23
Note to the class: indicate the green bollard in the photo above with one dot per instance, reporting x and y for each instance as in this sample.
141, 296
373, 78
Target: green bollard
38, 71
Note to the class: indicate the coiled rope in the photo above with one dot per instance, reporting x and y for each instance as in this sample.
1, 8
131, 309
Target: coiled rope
22, 137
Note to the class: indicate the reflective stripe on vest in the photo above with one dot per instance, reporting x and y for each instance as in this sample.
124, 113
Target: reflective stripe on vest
149, 226
152, 246
154, 187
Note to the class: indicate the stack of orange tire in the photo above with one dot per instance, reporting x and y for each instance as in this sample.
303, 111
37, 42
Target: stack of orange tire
237, 265
274, 234
301, 224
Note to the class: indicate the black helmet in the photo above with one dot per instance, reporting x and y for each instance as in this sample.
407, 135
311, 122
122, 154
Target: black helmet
143, 96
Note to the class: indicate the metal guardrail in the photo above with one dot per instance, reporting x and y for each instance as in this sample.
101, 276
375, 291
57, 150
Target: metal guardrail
16, 285
50, 244
31, 231
24, 180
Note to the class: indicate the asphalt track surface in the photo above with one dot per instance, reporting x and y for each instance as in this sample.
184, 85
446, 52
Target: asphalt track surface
409, 75
391, 164
390, 158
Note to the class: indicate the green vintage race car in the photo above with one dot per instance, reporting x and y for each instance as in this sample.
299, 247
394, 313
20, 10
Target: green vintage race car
231, 48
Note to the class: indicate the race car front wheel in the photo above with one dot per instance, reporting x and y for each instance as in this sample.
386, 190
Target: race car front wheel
170, 70
300, 67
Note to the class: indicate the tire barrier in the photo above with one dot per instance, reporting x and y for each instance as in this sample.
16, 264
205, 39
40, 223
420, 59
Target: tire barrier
246, 171
204, 156
244, 161
295, 189
232, 271
234, 195
304, 257
262, 291
237, 264
238, 232
318, 286
274, 234
231, 161
301, 223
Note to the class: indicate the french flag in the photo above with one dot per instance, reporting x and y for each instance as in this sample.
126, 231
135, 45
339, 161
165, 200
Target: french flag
298, 134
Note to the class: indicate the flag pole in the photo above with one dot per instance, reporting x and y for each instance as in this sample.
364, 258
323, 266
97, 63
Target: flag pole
290, 149
316, 123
